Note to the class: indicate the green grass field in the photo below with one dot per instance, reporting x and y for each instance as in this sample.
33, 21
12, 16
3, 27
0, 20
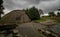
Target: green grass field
47, 19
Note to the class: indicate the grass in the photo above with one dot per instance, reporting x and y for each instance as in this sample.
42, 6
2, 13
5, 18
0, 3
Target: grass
43, 19
46, 18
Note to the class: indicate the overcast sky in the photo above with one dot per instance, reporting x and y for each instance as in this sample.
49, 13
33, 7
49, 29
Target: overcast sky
45, 5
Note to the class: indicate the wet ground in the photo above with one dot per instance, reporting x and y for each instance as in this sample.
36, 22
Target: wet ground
56, 29
30, 29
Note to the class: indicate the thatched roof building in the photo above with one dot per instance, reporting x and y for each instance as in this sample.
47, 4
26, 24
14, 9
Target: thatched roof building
15, 16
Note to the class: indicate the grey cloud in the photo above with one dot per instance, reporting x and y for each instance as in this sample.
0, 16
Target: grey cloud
35, 1
46, 5
50, 6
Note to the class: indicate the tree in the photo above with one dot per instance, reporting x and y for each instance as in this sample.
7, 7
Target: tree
51, 14
1, 8
58, 14
40, 11
33, 13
